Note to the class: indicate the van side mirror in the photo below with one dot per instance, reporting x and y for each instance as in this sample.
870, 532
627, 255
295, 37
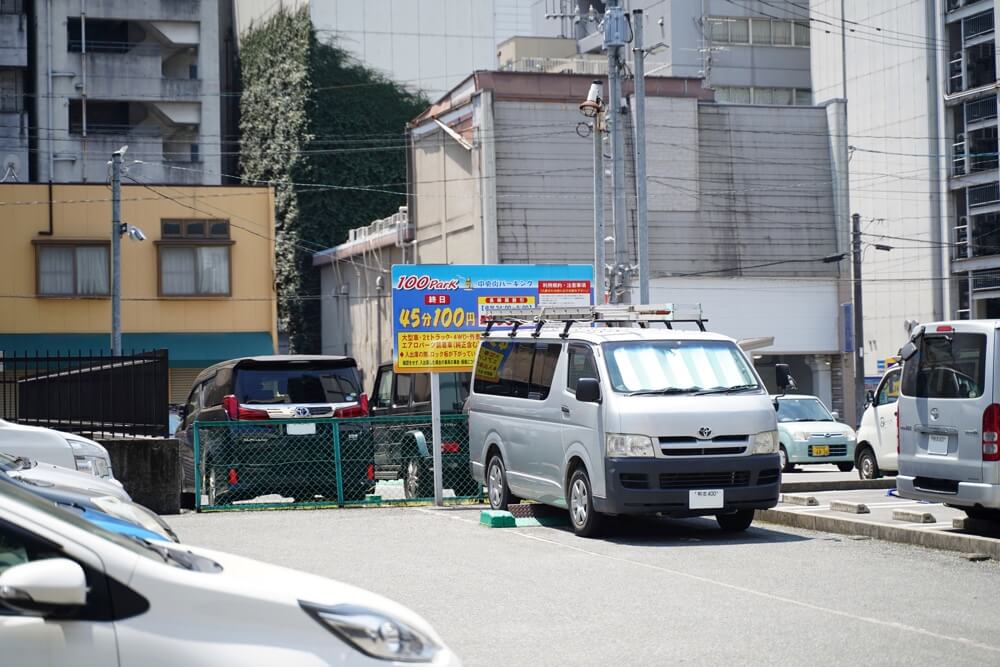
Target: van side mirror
783, 377
869, 398
588, 390
907, 351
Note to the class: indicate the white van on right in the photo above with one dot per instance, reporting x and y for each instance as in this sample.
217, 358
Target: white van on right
949, 419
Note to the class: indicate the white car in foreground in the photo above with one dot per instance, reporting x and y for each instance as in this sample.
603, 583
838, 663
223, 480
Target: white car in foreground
74, 594
47, 445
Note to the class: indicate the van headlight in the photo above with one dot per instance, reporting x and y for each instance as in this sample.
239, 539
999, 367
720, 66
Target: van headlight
765, 443
90, 458
374, 633
623, 445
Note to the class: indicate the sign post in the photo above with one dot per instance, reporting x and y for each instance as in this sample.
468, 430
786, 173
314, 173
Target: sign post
439, 313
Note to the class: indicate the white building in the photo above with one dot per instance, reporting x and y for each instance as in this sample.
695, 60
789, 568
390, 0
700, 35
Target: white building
427, 45
922, 117
105, 75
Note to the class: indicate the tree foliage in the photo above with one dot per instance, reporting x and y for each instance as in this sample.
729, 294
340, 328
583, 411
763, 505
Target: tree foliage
329, 133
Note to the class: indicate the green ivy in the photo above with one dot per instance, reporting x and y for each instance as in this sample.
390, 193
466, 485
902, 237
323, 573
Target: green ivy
312, 116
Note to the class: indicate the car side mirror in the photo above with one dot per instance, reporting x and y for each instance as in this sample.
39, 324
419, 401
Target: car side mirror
835, 415
869, 398
44, 587
588, 390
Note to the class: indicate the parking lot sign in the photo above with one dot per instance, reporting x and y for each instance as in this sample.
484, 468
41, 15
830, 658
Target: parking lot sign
439, 310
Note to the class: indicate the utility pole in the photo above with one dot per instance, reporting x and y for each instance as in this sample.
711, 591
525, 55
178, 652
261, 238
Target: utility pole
116, 253
640, 156
859, 329
614, 41
599, 289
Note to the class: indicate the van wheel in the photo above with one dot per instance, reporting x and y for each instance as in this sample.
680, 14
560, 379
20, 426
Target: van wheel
418, 480
783, 458
735, 522
845, 467
867, 465
587, 522
496, 485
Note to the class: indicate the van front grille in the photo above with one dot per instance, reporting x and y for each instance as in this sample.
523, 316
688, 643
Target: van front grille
704, 480
634, 480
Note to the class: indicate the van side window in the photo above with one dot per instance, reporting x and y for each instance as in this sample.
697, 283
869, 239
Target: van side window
543, 369
422, 388
889, 392
401, 396
951, 366
521, 369
383, 389
581, 365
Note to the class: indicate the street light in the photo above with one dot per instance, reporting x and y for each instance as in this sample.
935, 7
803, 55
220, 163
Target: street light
592, 108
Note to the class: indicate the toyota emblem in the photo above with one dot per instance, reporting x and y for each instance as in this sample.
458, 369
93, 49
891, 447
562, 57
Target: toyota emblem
301, 412
704, 431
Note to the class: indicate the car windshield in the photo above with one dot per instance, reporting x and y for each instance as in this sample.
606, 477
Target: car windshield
802, 410
295, 384
677, 366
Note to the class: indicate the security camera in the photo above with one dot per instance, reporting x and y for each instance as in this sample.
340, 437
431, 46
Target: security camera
591, 106
135, 233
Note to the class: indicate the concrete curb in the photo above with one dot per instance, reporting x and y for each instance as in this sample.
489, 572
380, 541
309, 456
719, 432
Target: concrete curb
841, 485
932, 539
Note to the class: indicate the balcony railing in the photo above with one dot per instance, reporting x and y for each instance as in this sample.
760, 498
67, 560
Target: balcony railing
954, 5
984, 195
11, 6
960, 247
985, 280
979, 110
958, 158
977, 25
956, 69
558, 65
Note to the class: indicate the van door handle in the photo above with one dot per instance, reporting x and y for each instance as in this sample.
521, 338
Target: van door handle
565, 410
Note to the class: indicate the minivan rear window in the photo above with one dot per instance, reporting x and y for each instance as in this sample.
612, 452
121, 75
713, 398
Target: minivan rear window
946, 366
297, 383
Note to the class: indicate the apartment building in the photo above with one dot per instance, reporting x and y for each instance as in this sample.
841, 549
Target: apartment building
80, 80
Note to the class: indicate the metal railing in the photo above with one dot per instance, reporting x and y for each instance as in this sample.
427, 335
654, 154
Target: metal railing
11, 6
96, 394
978, 110
960, 249
956, 73
985, 280
329, 462
977, 25
984, 195
558, 65
958, 167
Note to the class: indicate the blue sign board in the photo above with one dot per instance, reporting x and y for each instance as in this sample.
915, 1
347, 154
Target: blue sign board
847, 318
439, 310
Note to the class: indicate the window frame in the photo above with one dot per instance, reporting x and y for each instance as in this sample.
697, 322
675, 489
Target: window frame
73, 244
577, 348
194, 245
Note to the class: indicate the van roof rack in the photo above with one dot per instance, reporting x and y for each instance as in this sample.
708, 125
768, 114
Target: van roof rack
641, 314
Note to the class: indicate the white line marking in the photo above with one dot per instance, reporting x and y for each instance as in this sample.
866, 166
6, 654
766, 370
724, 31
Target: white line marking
742, 589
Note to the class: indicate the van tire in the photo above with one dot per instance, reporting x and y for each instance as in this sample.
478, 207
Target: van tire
847, 466
867, 464
418, 479
735, 522
586, 521
496, 485
786, 465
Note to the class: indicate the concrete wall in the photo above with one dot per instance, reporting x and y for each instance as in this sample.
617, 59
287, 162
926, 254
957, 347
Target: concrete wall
150, 470
83, 212
135, 77
892, 107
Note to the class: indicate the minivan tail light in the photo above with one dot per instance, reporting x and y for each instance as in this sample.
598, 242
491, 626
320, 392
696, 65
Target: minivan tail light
991, 433
359, 410
450, 447
235, 411
945, 328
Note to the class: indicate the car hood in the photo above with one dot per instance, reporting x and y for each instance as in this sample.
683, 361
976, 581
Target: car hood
46, 474
816, 427
271, 583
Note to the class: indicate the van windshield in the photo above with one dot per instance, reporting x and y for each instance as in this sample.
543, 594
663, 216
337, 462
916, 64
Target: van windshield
678, 366
297, 384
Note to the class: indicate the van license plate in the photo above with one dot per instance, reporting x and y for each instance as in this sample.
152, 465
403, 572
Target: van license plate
706, 499
821, 450
301, 429
937, 444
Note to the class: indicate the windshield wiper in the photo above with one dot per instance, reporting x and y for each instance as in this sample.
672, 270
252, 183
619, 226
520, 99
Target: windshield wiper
23, 463
665, 391
727, 390
185, 559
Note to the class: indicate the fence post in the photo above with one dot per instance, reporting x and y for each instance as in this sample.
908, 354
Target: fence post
197, 470
338, 463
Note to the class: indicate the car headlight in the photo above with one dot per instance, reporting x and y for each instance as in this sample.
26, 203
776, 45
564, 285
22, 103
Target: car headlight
801, 435
765, 443
136, 514
622, 445
850, 436
374, 633
90, 458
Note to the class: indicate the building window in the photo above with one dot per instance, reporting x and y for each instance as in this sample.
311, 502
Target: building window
73, 270
758, 31
763, 95
194, 258
11, 91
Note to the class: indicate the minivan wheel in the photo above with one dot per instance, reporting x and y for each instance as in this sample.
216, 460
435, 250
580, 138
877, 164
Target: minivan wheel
418, 481
783, 457
736, 521
580, 501
867, 465
496, 484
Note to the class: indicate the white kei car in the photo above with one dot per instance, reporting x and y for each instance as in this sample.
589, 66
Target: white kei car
72, 593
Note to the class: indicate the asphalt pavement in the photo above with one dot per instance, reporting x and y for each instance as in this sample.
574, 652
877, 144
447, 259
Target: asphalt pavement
653, 591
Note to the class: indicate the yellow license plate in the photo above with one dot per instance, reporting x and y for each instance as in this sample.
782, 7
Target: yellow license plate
821, 450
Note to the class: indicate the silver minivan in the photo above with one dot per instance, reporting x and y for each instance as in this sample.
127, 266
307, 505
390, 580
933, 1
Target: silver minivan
607, 421
949, 419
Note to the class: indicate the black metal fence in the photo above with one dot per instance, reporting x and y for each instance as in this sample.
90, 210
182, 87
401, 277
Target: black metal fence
94, 394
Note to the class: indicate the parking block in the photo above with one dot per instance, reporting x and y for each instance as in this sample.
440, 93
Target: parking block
850, 508
808, 501
496, 519
913, 517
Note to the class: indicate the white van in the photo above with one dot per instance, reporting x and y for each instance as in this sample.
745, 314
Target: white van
949, 419
877, 451
623, 420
